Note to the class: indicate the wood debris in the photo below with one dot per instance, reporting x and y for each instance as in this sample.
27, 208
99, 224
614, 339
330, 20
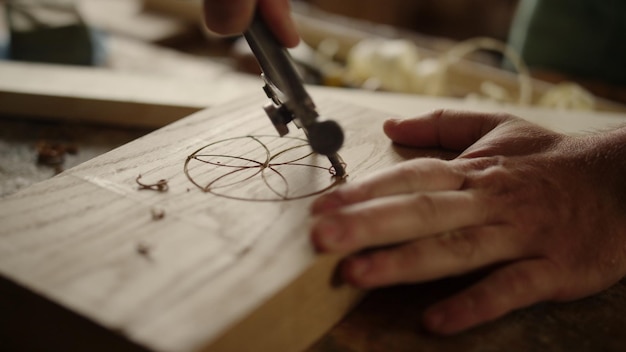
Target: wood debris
53, 153
160, 186
157, 214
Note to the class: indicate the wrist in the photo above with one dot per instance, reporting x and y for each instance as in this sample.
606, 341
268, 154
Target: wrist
606, 158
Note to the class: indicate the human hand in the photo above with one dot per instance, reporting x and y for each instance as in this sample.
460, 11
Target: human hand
233, 17
547, 210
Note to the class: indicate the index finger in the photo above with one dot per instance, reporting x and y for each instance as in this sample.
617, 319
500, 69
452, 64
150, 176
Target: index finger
411, 176
229, 17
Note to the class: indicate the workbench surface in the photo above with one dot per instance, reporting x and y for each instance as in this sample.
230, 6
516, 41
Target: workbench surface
389, 320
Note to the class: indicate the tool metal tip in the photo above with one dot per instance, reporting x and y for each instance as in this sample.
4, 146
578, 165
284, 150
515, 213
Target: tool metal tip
338, 166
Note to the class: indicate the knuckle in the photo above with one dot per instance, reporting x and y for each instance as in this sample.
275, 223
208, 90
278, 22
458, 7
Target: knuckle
483, 171
356, 230
439, 114
540, 280
459, 243
409, 173
425, 206
393, 266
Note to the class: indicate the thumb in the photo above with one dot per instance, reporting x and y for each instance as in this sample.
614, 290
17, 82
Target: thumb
448, 129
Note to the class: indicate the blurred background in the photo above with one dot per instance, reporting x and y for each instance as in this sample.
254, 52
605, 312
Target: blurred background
80, 77
453, 19
91, 32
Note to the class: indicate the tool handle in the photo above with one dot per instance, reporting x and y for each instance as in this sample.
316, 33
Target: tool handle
275, 61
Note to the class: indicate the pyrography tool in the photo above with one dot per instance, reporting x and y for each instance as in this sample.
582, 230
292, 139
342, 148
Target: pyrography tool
289, 99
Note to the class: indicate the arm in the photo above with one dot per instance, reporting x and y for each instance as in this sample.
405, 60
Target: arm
233, 16
548, 209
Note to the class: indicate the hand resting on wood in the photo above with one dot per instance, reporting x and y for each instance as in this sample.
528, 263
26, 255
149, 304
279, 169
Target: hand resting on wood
547, 211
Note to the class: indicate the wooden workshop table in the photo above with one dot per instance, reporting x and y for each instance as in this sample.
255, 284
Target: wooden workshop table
388, 320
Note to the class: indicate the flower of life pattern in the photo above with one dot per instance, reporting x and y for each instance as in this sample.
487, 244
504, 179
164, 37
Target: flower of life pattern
260, 168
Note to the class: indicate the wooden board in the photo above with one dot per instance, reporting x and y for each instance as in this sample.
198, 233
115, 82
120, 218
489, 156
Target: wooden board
118, 97
221, 274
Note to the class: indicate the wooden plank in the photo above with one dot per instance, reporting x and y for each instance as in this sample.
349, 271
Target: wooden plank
123, 113
214, 262
113, 97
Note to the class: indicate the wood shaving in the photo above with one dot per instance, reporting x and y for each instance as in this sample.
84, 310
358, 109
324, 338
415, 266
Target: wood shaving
159, 186
157, 214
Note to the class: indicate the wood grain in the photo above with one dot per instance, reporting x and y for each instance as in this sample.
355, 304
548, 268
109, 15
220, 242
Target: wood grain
214, 264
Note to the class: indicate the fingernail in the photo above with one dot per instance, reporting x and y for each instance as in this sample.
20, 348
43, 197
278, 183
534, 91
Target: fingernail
327, 234
391, 123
